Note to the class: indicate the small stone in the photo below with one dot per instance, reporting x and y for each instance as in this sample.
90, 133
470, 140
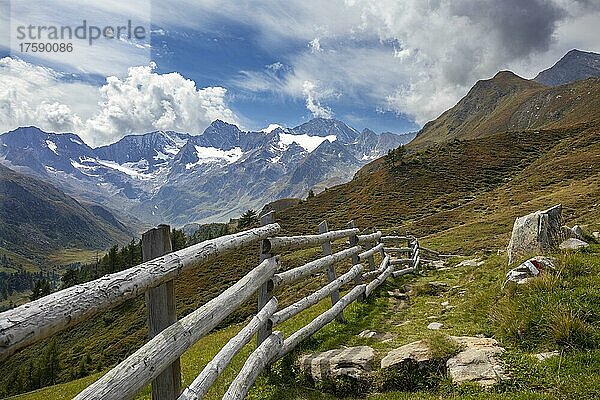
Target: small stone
383, 337
445, 303
573, 244
578, 232
434, 326
397, 294
596, 235
438, 264
473, 262
547, 355
432, 317
367, 334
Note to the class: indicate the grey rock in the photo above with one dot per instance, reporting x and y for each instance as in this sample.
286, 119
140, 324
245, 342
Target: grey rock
434, 326
417, 351
578, 231
537, 232
567, 232
478, 362
547, 355
573, 244
437, 264
530, 269
383, 337
596, 235
351, 362
473, 262
398, 294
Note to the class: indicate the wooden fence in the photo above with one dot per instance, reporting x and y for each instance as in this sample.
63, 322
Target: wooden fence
157, 361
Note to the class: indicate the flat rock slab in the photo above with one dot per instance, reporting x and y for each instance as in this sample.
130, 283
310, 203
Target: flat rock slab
573, 244
474, 262
434, 326
547, 355
416, 351
351, 362
383, 337
478, 362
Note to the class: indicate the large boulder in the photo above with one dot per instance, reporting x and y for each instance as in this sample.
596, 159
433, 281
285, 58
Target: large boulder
478, 362
535, 233
351, 362
417, 352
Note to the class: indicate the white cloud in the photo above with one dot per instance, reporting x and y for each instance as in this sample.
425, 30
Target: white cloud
145, 101
276, 66
34, 95
141, 102
313, 104
105, 56
315, 46
413, 57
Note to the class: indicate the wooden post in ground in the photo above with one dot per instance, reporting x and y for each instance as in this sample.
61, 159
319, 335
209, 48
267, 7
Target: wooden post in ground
331, 275
265, 293
355, 259
382, 251
160, 303
368, 246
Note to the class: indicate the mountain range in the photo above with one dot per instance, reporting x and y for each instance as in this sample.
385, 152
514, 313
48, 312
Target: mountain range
177, 178
574, 66
508, 102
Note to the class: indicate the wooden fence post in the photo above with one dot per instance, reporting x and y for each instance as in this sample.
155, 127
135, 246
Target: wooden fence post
265, 293
368, 246
382, 251
355, 259
160, 302
331, 275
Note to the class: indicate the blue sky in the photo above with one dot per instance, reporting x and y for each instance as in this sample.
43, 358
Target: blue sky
222, 51
387, 65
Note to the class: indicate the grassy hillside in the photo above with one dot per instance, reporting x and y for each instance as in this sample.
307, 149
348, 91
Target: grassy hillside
461, 197
36, 219
471, 188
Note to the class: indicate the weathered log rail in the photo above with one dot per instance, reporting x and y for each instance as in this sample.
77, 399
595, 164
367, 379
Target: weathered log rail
157, 361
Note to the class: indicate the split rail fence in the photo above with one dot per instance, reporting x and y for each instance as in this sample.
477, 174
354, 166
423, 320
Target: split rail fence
157, 361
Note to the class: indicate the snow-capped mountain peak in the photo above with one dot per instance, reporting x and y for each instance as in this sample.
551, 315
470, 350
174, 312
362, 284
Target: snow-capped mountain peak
271, 128
172, 177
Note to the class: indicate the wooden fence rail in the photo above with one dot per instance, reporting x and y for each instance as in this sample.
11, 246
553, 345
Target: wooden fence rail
158, 358
39, 319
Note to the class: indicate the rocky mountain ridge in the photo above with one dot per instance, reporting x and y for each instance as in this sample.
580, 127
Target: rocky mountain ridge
177, 178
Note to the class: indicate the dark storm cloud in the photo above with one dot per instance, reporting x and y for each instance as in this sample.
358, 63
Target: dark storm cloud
520, 27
